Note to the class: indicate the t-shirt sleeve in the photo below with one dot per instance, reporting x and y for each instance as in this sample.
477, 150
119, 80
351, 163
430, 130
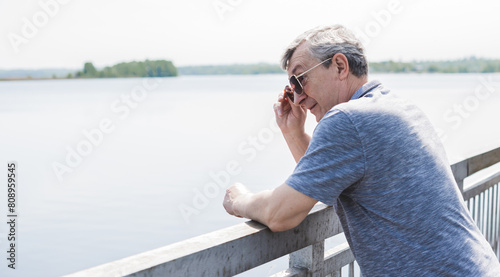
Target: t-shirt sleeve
333, 161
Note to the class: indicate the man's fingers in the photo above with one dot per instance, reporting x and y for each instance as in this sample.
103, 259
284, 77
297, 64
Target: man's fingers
277, 109
281, 97
228, 203
233, 192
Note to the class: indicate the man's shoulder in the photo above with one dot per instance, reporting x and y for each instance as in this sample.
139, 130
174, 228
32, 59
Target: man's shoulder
336, 117
357, 107
377, 103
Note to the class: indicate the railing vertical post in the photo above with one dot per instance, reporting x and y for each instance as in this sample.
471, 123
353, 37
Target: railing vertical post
460, 172
311, 257
351, 269
495, 217
490, 215
494, 221
497, 220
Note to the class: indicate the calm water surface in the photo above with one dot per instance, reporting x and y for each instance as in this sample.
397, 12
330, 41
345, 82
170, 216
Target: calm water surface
111, 168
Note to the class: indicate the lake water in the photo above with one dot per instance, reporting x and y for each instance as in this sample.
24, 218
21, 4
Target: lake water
108, 168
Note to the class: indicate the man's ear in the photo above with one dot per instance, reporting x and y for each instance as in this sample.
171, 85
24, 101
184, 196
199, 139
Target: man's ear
340, 60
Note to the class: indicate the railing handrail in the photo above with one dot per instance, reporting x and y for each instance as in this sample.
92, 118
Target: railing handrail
222, 249
238, 248
467, 167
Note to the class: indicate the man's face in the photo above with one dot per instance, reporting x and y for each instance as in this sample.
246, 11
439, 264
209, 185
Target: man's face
320, 84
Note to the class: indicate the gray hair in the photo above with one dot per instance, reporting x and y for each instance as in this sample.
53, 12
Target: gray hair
324, 42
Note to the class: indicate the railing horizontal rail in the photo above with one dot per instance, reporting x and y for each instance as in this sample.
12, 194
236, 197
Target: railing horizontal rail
225, 252
338, 257
482, 186
483, 160
244, 246
467, 167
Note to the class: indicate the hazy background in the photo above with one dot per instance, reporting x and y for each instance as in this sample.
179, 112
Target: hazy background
202, 32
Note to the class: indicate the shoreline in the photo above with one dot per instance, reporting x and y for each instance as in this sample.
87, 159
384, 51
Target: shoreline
183, 75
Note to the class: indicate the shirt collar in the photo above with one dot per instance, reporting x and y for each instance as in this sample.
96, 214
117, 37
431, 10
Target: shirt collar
364, 89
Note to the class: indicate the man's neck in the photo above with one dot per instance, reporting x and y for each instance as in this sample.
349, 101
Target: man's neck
354, 83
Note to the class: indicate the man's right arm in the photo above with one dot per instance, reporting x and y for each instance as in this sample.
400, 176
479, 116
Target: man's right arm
297, 143
291, 120
279, 209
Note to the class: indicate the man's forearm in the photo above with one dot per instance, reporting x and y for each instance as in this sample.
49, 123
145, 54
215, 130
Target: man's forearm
254, 206
297, 143
280, 209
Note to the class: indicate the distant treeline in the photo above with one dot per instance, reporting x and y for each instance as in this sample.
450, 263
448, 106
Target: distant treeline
469, 65
160, 68
237, 69
163, 68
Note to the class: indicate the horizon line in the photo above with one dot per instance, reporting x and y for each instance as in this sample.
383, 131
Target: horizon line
238, 63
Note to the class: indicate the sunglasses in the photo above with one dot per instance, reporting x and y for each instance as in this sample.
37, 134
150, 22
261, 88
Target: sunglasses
296, 82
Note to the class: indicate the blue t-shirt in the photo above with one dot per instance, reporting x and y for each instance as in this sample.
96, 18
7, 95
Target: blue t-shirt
379, 162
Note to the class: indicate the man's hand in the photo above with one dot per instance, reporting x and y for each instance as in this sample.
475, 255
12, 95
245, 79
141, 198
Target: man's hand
290, 117
233, 193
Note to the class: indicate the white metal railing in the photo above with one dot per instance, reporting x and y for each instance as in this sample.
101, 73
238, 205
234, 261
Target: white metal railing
236, 249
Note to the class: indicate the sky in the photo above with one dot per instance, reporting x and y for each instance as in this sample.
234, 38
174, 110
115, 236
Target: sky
67, 33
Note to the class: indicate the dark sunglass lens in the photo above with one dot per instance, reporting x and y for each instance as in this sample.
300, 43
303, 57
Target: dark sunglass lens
295, 85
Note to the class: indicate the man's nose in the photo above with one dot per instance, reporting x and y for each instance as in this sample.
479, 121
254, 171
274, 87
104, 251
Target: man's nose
298, 99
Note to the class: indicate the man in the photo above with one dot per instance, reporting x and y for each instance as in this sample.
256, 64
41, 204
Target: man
376, 159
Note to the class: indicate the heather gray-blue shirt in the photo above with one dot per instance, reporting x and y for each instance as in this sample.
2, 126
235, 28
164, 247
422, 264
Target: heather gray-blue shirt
379, 162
